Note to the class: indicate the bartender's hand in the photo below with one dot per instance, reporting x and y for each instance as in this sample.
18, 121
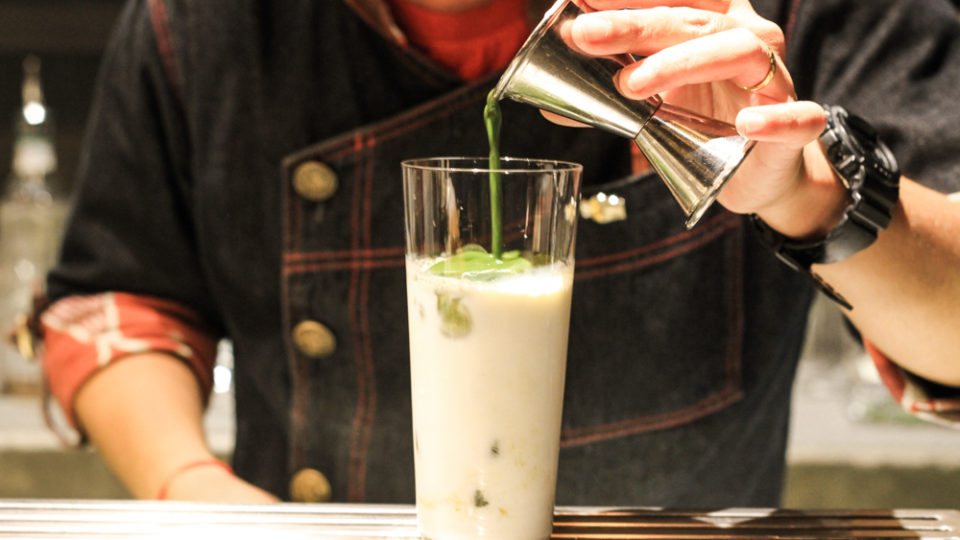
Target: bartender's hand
714, 57
700, 55
144, 413
214, 484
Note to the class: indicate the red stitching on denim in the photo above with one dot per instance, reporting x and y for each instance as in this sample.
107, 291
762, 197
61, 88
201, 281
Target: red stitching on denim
398, 126
298, 413
366, 257
355, 265
161, 31
366, 253
712, 403
368, 193
469, 97
791, 20
354, 487
354, 143
375, 258
724, 220
295, 220
730, 393
400, 130
297, 451
295, 210
710, 235
369, 371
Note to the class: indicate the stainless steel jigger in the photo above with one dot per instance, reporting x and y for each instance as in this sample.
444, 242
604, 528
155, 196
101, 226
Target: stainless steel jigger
694, 155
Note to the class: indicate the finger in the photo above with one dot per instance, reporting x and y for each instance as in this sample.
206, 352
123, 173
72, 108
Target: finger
737, 56
791, 124
644, 31
781, 132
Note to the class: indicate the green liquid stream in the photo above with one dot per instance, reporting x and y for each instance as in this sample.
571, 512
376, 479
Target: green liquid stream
492, 120
472, 261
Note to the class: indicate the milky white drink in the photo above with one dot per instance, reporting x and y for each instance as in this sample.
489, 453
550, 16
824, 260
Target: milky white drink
487, 370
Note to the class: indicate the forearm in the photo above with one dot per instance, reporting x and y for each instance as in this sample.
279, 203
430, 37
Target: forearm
144, 414
905, 288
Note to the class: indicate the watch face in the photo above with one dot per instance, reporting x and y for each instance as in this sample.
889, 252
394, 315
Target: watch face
867, 141
854, 149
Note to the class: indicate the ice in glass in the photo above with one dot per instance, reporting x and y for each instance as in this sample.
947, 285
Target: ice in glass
488, 342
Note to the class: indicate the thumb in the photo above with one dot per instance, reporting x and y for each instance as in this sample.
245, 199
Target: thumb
793, 124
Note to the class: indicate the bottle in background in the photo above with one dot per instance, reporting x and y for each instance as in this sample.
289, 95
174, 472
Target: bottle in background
30, 223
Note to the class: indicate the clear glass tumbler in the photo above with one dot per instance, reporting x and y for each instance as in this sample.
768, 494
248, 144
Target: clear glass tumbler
488, 340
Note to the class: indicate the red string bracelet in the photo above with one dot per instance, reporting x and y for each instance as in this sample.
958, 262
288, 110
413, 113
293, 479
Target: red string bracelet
162, 493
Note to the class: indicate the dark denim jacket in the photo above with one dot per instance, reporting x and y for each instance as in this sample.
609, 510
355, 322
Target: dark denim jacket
243, 159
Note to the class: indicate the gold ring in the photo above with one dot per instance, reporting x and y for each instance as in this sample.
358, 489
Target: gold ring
771, 72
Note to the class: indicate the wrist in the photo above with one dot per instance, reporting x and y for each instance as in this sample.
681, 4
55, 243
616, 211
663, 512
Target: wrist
182, 474
816, 204
869, 174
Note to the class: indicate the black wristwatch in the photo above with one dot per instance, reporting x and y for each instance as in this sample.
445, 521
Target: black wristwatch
870, 173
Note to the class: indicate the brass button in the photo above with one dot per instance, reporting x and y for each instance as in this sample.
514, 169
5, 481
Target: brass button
314, 339
310, 486
314, 181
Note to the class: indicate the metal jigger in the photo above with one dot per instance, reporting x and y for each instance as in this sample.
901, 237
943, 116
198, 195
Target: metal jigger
694, 155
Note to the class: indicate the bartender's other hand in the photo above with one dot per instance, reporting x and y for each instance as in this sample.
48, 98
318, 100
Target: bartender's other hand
714, 57
214, 484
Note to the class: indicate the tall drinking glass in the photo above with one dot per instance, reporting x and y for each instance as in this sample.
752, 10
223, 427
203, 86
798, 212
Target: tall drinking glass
488, 340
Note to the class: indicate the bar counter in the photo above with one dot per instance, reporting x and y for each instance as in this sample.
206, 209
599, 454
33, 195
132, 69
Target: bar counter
47, 519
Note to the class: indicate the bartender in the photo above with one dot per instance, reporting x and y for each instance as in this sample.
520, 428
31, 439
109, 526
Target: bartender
240, 180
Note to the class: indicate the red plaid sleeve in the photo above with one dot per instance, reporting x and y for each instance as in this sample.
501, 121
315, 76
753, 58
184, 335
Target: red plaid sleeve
83, 334
925, 399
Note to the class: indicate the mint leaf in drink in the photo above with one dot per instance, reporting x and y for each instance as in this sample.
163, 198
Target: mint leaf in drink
455, 319
475, 264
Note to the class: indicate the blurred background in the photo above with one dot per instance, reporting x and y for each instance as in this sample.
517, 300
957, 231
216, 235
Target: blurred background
850, 445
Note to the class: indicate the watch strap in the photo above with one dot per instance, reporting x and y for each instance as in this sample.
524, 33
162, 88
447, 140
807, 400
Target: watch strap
776, 243
869, 171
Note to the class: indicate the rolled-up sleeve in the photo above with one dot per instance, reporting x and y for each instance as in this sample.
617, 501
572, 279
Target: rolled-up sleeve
84, 334
918, 396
